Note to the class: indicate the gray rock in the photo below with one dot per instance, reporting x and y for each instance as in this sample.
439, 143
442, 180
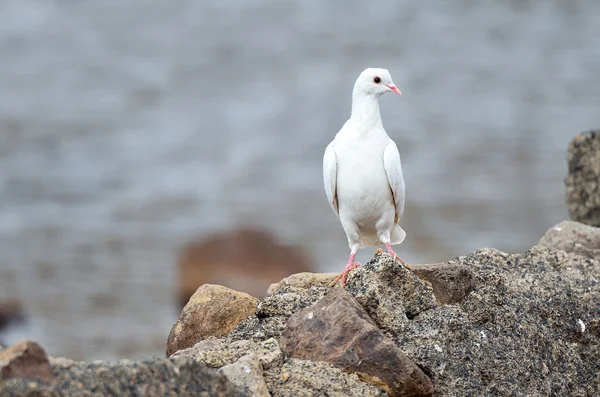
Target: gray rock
150, 378
451, 283
219, 352
389, 292
519, 332
310, 378
574, 237
583, 180
247, 375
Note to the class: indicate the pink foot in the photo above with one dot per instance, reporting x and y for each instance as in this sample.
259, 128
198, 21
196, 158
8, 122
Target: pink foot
391, 252
344, 275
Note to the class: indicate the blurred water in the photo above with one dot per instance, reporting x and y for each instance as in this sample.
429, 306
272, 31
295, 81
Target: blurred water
126, 128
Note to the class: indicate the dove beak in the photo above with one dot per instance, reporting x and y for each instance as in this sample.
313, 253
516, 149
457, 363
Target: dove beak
394, 88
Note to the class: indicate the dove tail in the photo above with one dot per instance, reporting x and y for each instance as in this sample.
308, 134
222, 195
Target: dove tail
398, 235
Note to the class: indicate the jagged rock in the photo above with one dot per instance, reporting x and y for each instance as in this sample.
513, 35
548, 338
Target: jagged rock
310, 378
149, 378
337, 330
213, 310
389, 292
574, 237
583, 180
25, 359
303, 280
524, 317
219, 352
450, 283
247, 375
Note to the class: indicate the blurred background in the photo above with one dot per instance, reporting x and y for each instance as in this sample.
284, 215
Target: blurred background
137, 136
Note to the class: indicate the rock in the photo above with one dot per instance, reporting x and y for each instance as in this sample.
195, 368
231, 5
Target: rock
583, 180
389, 292
217, 259
219, 352
25, 359
337, 330
303, 280
522, 318
213, 310
149, 378
574, 237
247, 375
451, 283
310, 378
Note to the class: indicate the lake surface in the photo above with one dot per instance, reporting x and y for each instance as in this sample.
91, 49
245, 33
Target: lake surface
128, 128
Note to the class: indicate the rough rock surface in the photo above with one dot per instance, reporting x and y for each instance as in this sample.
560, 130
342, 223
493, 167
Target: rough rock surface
25, 359
213, 310
518, 332
310, 378
390, 293
450, 283
303, 280
583, 180
247, 375
151, 378
339, 331
574, 237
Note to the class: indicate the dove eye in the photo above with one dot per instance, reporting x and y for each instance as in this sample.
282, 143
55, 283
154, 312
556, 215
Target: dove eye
377, 80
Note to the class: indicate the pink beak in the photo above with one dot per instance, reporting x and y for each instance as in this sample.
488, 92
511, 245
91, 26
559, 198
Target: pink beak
394, 88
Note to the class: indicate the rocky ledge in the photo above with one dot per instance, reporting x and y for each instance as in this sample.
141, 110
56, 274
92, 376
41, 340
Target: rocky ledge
489, 323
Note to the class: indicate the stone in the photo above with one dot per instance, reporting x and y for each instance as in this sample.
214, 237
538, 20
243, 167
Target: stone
149, 378
218, 259
247, 375
11, 312
337, 330
302, 280
574, 237
583, 179
216, 353
25, 359
518, 333
451, 283
390, 292
213, 310
311, 378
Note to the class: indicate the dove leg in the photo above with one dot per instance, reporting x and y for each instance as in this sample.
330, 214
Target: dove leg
351, 265
391, 252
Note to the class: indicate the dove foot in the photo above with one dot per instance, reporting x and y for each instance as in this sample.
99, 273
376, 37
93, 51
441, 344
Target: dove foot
391, 252
343, 276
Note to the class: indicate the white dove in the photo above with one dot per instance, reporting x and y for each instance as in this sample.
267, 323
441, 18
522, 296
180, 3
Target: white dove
362, 172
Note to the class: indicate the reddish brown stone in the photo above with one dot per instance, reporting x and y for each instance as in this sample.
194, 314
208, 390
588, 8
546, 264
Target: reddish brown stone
213, 310
337, 330
26, 359
246, 260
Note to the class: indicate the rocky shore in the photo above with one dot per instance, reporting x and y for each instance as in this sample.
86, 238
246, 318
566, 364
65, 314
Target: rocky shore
488, 324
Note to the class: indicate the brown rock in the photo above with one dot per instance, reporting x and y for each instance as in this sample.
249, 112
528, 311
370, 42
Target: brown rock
245, 260
11, 311
25, 359
247, 375
451, 283
302, 280
213, 310
574, 237
337, 330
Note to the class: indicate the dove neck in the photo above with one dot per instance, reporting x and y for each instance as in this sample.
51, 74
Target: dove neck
365, 109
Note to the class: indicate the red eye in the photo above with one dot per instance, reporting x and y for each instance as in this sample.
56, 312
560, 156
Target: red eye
377, 80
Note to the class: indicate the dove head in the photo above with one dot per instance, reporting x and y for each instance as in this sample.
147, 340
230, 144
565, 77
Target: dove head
375, 82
